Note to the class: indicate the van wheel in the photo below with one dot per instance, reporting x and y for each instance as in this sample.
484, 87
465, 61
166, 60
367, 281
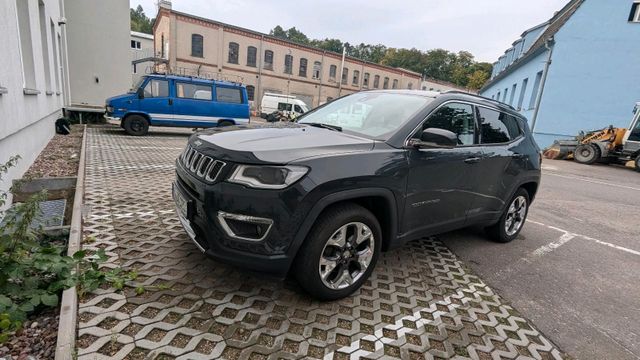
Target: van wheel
136, 125
224, 123
339, 253
512, 220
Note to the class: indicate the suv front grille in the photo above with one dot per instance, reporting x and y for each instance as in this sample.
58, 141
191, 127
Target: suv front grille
200, 165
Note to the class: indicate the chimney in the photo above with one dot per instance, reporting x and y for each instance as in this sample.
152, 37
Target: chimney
166, 4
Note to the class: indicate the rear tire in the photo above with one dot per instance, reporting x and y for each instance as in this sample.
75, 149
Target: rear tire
136, 125
512, 219
637, 163
587, 153
340, 252
224, 123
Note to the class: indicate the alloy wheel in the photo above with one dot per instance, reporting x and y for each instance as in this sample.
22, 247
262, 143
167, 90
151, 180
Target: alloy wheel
516, 215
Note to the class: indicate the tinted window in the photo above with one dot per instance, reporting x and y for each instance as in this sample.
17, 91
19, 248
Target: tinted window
229, 95
497, 127
156, 88
457, 118
193, 91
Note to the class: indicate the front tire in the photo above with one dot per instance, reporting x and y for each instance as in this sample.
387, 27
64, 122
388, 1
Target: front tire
339, 253
136, 125
587, 153
637, 163
512, 219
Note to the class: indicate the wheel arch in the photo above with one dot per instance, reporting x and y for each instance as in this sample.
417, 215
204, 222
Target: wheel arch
380, 201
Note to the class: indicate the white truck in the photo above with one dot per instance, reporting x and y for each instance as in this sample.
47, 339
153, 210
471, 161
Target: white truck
289, 105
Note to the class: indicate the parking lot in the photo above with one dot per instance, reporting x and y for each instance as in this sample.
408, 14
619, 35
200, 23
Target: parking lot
571, 275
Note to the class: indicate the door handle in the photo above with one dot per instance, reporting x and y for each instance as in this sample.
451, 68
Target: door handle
170, 101
472, 160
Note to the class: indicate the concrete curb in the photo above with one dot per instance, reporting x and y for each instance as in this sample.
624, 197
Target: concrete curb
66, 342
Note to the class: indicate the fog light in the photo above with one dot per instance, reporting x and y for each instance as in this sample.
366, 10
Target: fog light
244, 227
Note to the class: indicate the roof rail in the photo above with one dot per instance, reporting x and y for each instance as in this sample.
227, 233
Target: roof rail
480, 97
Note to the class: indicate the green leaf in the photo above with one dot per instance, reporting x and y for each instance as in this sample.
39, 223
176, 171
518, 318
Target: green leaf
79, 255
50, 300
5, 301
26, 307
139, 290
5, 324
35, 300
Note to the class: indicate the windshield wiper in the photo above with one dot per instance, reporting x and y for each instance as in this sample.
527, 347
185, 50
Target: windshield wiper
325, 126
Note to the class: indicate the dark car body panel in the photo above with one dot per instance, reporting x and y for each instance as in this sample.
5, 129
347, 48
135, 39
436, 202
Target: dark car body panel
422, 191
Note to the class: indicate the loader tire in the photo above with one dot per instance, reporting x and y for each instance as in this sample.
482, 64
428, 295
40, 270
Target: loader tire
637, 163
587, 153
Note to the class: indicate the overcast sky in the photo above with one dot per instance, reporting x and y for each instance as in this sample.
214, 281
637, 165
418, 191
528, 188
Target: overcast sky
486, 28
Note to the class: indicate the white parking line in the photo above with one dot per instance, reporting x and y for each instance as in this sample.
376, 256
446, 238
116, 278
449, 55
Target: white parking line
554, 245
592, 181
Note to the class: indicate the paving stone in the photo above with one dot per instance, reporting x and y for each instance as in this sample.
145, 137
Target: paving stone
420, 302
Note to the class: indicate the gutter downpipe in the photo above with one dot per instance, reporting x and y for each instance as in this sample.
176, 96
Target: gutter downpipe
542, 84
259, 90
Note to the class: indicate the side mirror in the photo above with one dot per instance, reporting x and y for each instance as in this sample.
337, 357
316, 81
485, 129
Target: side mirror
140, 93
435, 138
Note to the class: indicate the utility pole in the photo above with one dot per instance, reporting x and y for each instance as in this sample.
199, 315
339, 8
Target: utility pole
344, 53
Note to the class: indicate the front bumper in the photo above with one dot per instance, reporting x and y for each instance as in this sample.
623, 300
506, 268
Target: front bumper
207, 203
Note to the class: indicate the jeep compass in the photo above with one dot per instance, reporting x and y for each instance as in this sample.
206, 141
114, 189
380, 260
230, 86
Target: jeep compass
322, 197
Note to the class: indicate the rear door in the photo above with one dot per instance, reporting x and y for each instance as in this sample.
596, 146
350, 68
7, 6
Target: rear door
505, 158
157, 101
440, 180
231, 104
194, 104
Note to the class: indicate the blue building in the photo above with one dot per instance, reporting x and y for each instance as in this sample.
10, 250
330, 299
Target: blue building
578, 71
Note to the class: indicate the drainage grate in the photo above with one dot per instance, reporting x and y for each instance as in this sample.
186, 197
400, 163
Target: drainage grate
52, 214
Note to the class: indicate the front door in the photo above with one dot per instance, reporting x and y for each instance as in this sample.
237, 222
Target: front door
157, 102
439, 183
632, 142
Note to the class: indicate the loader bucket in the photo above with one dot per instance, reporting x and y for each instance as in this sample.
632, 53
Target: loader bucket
561, 149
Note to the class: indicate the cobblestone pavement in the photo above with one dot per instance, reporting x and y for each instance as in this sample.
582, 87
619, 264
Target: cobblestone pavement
419, 303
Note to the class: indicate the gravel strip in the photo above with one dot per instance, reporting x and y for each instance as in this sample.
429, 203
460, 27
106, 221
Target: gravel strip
60, 157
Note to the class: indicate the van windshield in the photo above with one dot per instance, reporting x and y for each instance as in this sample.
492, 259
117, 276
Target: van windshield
137, 84
375, 115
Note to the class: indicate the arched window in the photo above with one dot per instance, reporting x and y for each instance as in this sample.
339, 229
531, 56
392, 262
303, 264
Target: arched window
251, 90
365, 80
345, 75
197, 45
385, 84
251, 56
288, 64
234, 51
302, 71
332, 72
376, 81
395, 84
317, 67
356, 77
268, 59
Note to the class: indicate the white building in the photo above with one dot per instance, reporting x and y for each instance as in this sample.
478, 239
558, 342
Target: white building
142, 54
32, 86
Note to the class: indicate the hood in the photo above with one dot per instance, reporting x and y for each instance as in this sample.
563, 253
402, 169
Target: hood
114, 99
279, 142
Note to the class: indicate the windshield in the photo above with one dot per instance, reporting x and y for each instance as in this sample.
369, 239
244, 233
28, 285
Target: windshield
136, 85
375, 115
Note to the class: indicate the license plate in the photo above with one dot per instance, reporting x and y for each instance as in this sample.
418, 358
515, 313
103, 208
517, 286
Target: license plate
181, 203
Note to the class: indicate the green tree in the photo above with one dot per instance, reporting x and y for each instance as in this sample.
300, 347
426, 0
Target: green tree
477, 79
140, 22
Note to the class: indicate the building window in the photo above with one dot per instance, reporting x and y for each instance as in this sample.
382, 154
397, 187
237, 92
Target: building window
523, 89
365, 80
162, 46
513, 93
288, 64
345, 76
251, 56
26, 44
376, 81
634, 15
268, 59
534, 91
197, 45
356, 77
234, 51
410, 86
395, 84
332, 72
506, 93
135, 44
385, 84
44, 41
302, 71
498, 96
317, 67
251, 91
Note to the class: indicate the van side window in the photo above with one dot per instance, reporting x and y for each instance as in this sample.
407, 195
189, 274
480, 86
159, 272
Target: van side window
229, 95
156, 88
193, 91
497, 127
457, 118
298, 109
284, 106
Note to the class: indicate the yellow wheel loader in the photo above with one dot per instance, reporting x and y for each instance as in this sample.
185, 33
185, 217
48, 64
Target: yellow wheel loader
609, 145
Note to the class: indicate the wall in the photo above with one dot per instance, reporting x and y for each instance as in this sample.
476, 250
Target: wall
594, 80
27, 121
98, 45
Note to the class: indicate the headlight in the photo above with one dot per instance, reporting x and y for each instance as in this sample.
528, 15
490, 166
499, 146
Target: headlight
267, 177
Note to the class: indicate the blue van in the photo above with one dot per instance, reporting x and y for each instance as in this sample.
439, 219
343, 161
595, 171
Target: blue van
169, 100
